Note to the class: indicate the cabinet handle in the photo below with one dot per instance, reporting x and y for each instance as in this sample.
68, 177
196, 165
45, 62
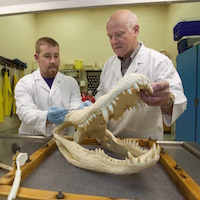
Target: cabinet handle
196, 101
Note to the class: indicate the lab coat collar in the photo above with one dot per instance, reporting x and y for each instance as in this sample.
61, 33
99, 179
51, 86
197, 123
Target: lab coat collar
116, 65
56, 82
134, 66
42, 83
39, 80
137, 61
140, 55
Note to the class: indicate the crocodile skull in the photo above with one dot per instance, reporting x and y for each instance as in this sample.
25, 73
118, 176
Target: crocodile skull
92, 122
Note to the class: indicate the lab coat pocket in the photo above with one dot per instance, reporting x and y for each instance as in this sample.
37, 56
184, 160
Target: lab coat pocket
143, 123
136, 133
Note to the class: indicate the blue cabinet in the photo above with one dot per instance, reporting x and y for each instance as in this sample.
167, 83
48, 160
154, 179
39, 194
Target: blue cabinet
198, 96
188, 67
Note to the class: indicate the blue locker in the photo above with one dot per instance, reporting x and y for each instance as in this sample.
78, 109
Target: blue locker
198, 96
187, 125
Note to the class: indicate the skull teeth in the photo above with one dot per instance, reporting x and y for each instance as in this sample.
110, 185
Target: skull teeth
136, 87
110, 108
129, 91
117, 98
142, 159
105, 115
100, 152
114, 103
131, 158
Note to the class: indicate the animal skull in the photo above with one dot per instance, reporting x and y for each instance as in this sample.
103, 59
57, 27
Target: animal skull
92, 122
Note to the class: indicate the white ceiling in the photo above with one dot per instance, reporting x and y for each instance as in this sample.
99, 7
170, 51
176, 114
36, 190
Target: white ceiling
26, 6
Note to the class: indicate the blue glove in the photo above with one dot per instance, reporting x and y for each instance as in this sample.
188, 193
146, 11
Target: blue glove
85, 104
56, 115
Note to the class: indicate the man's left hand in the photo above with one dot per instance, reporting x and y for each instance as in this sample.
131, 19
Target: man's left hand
160, 96
85, 104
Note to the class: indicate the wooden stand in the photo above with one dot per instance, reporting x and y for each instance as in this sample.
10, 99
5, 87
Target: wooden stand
187, 186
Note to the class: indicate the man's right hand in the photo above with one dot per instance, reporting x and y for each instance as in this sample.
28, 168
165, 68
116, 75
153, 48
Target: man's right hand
56, 115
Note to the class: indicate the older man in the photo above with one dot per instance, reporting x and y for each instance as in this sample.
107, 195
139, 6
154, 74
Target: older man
167, 102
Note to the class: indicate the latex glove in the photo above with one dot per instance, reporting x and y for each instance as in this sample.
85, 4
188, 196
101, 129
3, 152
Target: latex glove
56, 115
85, 104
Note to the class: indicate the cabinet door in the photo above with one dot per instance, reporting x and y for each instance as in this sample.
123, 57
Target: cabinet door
187, 69
198, 96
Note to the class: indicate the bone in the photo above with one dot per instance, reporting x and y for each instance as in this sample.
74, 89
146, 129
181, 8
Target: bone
136, 87
122, 97
131, 158
105, 115
110, 108
117, 98
129, 91
114, 102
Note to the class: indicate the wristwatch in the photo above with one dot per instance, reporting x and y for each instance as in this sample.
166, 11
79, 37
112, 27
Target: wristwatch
171, 102
172, 98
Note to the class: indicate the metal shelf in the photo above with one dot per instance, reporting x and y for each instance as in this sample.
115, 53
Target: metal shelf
73, 73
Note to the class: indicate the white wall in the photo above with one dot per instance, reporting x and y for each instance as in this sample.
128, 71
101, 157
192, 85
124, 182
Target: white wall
81, 33
17, 38
177, 13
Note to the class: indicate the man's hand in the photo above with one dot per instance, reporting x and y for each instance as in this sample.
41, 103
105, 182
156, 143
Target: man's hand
56, 115
160, 96
85, 104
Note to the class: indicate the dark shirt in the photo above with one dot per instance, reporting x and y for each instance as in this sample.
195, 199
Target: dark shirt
126, 62
49, 81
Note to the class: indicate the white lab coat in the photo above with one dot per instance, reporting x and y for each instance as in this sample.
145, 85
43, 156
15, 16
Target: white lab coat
34, 97
147, 123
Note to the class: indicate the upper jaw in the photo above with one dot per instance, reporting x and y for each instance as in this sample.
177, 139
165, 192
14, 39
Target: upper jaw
92, 121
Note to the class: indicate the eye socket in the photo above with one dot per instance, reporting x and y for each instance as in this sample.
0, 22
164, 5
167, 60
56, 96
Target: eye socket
50, 56
116, 35
110, 36
46, 55
56, 56
119, 34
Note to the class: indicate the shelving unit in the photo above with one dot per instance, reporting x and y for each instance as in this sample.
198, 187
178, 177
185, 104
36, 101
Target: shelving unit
93, 79
73, 73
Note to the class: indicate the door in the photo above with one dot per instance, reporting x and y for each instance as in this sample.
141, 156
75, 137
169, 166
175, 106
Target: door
187, 69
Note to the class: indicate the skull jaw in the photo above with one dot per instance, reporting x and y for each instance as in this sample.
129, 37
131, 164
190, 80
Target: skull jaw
97, 160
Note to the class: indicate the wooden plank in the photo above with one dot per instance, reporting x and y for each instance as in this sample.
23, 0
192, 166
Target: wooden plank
27, 193
36, 158
187, 186
6, 167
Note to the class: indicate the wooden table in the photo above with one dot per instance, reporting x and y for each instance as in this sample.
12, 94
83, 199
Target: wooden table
186, 185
